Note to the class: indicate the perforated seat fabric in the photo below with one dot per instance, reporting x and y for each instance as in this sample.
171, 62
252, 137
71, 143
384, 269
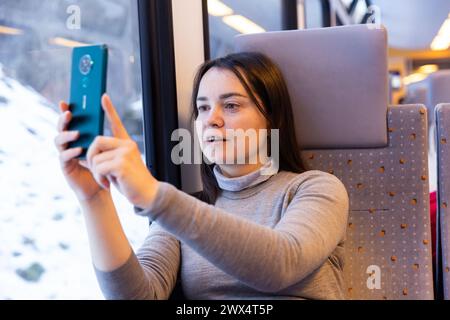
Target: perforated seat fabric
443, 201
389, 224
418, 94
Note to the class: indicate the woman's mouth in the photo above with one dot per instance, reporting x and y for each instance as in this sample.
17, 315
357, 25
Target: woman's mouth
213, 139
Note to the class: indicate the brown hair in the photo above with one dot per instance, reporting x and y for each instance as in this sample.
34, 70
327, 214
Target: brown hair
266, 87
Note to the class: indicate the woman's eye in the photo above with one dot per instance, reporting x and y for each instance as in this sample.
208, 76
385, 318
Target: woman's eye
202, 108
231, 106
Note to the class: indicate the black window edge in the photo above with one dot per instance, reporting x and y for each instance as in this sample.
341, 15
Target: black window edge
158, 88
326, 13
289, 14
206, 41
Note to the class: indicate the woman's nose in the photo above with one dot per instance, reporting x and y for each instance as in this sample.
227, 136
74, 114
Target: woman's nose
215, 118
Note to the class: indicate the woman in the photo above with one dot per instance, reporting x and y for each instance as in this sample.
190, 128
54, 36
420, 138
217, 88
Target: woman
251, 236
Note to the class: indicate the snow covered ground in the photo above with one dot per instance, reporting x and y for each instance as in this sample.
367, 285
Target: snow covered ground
44, 252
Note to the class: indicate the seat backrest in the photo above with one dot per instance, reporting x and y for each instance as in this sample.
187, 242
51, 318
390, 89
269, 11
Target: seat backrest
443, 196
434, 90
439, 88
337, 79
417, 94
318, 100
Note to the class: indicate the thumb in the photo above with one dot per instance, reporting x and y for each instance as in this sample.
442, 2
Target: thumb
117, 127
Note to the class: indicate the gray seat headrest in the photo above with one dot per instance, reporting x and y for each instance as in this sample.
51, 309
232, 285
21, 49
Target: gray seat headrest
337, 79
439, 87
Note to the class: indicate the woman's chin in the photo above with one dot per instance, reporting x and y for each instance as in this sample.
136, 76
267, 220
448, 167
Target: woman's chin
218, 155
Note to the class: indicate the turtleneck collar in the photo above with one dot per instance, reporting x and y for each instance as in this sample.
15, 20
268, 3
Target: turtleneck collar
245, 181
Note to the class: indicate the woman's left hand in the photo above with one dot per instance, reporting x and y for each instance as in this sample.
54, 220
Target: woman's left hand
119, 160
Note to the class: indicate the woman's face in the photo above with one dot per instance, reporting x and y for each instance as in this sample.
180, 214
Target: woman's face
224, 107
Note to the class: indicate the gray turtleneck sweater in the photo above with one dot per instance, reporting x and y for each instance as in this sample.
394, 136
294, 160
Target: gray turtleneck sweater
279, 236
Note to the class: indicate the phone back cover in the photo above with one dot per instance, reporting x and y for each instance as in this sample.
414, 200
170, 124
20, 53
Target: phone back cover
86, 91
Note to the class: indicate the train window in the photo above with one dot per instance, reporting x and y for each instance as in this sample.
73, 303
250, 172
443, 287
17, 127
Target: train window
228, 18
313, 13
396, 80
41, 225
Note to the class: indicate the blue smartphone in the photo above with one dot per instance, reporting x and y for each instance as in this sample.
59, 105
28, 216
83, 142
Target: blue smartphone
87, 86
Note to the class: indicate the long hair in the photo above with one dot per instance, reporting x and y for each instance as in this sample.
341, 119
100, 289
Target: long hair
266, 87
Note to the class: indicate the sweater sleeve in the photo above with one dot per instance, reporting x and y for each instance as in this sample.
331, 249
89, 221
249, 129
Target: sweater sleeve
149, 274
263, 258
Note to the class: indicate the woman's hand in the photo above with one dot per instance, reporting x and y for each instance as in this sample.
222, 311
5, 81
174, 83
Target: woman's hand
117, 159
77, 175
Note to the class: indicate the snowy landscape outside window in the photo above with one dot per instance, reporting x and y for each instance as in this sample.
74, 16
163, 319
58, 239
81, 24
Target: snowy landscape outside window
44, 251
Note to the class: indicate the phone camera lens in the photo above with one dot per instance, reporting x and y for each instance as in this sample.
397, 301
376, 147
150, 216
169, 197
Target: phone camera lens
86, 64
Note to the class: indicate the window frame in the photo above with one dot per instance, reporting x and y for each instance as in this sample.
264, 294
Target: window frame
159, 93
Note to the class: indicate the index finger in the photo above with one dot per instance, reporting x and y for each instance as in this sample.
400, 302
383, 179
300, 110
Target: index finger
118, 129
63, 106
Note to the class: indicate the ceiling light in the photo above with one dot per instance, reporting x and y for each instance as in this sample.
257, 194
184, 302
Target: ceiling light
242, 24
10, 31
442, 39
66, 42
440, 43
428, 68
218, 8
445, 29
415, 77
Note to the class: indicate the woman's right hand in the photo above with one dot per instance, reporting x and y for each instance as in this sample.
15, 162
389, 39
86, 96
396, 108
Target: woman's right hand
75, 171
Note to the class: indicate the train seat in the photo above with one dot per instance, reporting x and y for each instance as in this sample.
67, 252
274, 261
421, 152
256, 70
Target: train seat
443, 198
345, 127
